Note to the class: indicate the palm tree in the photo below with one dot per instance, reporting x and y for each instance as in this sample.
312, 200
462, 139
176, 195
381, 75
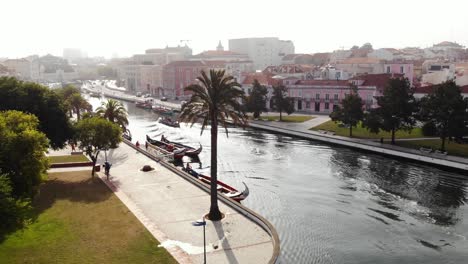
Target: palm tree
77, 103
113, 111
215, 100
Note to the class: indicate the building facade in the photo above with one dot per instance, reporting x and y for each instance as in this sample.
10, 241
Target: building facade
263, 52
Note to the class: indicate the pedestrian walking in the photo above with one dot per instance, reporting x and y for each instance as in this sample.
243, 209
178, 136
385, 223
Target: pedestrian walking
107, 167
146, 145
73, 147
137, 144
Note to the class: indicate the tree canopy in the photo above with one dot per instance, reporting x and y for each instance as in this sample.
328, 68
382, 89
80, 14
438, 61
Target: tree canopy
256, 101
447, 110
214, 100
22, 149
281, 101
38, 100
114, 111
95, 134
350, 112
396, 109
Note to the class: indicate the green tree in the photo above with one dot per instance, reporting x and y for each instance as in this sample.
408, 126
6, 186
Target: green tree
22, 149
350, 113
281, 101
446, 109
95, 134
396, 109
42, 102
214, 100
13, 211
113, 111
78, 104
256, 101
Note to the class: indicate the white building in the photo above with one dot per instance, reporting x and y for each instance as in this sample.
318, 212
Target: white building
141, 78
24, 69
263, 52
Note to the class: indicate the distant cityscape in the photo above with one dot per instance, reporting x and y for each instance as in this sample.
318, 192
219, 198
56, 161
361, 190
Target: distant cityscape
317, 82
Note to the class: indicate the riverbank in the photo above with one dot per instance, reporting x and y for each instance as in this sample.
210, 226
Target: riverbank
167, 201
298, 130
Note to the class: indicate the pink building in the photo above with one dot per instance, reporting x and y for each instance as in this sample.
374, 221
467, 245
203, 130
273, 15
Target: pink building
407, 69
179, 74
322, 96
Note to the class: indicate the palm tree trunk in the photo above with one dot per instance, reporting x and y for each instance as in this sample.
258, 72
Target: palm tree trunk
281, 118
393, 136
78, 116
214, 214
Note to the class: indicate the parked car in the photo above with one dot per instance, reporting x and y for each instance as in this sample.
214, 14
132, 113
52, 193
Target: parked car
147, 95
164, 98
138, 94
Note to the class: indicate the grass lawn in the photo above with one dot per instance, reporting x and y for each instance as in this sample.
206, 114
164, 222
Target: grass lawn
360, 132
81, 221
68, 158
452, 147
286, 118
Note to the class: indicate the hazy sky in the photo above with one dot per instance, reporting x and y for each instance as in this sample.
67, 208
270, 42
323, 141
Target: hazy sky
104, 27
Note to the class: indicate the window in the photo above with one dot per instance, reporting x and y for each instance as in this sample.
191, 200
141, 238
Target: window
327, 97
307, 104
402, 70
335, 97
388, 69
327, 106
317, 96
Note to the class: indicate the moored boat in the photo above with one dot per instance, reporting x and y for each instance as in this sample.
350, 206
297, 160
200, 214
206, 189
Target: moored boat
146, 104
127, 135
190, 151
169, 122
222, 187
165, 148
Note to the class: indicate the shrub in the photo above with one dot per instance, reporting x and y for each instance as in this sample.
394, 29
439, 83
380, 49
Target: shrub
429, 129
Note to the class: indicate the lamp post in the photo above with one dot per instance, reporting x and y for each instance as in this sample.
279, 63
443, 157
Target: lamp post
202, 223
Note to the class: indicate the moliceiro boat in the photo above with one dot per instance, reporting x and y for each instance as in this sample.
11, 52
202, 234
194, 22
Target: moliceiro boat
169, 122
222, 187
189, 151
146, 104
165, 148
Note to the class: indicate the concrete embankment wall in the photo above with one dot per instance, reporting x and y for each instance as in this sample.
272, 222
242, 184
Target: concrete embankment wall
253, 216
438, 161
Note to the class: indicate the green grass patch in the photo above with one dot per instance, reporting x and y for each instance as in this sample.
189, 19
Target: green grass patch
68, 159
286, 118
360, 132
81, 221
451, 147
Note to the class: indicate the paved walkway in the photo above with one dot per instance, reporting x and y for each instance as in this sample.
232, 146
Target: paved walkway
303, 129
167, 205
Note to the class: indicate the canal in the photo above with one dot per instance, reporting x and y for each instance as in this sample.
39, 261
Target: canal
331, 204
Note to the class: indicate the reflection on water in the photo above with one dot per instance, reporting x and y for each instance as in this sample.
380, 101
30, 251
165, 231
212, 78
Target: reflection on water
332, 204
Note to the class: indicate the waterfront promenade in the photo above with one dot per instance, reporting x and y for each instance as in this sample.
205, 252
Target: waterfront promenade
302, 130
167, 204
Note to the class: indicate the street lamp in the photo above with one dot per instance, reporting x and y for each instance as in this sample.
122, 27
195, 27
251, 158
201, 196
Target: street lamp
202, 223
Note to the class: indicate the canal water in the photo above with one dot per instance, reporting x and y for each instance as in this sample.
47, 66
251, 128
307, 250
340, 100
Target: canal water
331, 204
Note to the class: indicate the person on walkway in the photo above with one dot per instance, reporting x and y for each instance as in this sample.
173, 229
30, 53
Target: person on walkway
146, 145
73, 147
107, 167
137, 144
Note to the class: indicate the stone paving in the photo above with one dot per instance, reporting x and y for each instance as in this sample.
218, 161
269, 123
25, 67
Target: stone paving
167, 205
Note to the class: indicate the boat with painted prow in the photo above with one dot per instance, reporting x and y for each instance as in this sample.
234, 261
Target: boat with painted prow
190, 151
222, 187
165, 149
